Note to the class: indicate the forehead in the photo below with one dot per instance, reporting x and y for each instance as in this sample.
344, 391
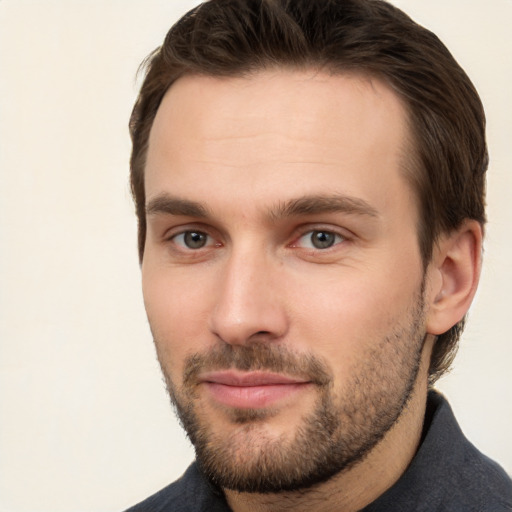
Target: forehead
277, 131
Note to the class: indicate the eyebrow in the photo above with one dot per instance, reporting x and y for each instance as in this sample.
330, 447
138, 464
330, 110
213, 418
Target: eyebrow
317, 204
170, 205
301, 206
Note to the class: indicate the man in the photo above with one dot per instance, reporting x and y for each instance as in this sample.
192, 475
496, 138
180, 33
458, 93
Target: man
309, 184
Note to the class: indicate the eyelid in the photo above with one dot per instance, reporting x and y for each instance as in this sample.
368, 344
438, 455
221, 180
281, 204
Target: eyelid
183, 245
182, 229
328, 228
217, 238
310, 228
185, 227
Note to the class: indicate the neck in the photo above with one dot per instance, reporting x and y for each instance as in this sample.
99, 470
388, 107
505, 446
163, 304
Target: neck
353, 489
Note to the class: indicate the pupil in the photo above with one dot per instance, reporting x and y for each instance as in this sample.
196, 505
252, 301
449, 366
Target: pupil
195, 240
322, 239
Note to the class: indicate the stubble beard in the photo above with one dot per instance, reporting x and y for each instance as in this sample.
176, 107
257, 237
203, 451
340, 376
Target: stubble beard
336, 435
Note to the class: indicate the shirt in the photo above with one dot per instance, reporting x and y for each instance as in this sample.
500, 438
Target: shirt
447, 474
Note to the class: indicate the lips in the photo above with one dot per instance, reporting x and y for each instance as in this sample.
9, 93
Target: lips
250, 390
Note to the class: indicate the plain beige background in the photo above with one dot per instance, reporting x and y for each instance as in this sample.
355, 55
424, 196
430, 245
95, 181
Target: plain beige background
85, 421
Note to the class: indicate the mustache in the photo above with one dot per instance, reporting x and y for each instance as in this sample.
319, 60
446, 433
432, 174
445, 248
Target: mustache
257, 356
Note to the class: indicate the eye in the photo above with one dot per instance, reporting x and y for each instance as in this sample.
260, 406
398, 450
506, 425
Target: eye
192, 239
319, 239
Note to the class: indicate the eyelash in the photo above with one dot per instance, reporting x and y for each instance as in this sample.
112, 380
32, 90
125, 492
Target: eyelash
335, 239
191, 232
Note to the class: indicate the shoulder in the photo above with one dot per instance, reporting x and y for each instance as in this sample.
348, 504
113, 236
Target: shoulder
448, 474
479, 483
470, 479
190, 493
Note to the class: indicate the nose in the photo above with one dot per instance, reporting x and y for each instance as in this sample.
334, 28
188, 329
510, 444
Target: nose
249, 304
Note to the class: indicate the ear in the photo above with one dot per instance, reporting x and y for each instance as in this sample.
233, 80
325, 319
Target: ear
453, 276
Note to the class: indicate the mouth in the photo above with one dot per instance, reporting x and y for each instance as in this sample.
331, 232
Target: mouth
251, 390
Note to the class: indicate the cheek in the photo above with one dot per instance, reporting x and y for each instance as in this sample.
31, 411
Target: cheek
344, 319
177, 313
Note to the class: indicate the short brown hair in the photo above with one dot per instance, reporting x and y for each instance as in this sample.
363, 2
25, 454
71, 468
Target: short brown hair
236, 37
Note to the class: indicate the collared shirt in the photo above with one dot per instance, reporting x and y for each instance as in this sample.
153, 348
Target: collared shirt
448, 474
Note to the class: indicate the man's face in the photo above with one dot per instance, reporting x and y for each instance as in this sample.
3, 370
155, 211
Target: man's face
282, 276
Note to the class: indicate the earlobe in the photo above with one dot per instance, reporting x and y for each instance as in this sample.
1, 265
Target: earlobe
454, 274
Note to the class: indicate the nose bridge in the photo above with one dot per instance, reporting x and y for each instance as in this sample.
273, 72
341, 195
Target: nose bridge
248, 302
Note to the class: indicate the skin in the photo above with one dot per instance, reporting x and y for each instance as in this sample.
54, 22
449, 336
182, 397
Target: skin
225, 155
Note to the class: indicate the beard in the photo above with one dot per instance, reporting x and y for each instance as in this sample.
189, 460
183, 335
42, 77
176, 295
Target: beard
337, 433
